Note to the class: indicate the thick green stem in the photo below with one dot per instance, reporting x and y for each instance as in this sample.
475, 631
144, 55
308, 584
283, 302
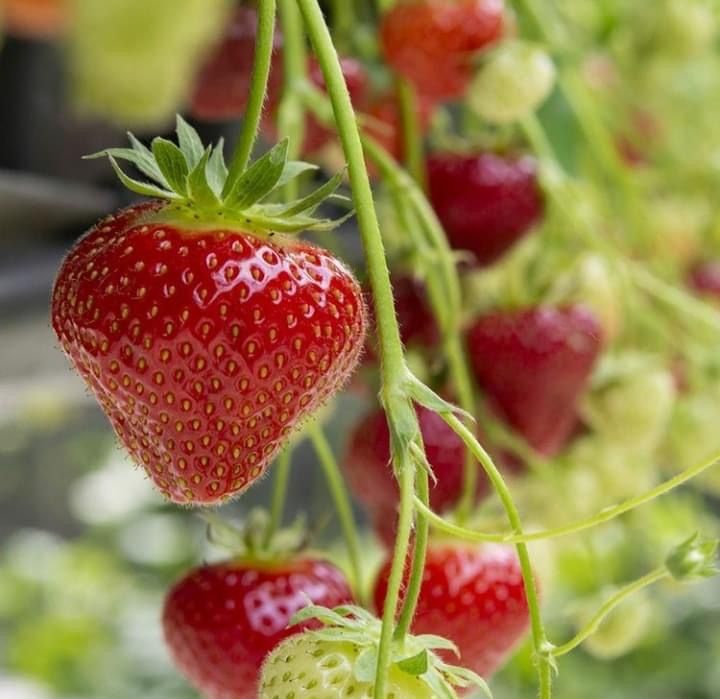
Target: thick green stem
540, 642
411, 130
279, 493
401, 416
291, 111
619, 597
414, 585
258, 89
340, 497
609, 513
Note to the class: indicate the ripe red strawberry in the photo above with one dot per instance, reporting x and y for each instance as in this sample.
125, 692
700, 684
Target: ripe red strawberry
222, 86
433, 42
705, 279
205, 337
222, 620
367, 465
473, 596
486, 202
384, 123
534, 365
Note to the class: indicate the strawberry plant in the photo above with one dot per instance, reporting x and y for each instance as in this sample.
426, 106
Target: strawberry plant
537, 333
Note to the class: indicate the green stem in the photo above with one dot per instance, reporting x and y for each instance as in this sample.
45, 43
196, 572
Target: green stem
279, 493
402, 420
291, 110
601, 517
341, 499
619, 597
414, 585
412, 135
540, 642
258, 88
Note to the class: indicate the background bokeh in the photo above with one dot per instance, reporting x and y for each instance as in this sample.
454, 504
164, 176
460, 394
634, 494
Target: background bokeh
87, 548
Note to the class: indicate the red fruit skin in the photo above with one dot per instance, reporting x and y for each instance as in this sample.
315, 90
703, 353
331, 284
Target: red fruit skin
432, 42
317, 135
222, 86
220, 621
370, 476
385, 123
534, 365
473, 596
205, 348
705, 279
486, 202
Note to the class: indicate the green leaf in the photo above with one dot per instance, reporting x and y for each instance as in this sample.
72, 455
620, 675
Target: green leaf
461, 676
199, 190
148, 190
217, 171
437, 642
172, 164
440, 687
189, 142
146, 165
148, 160
365, 666
313, 200
416, 665
259, 179
293, 169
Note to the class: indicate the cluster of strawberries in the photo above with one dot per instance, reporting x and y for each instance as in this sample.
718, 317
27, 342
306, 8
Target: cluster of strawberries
208, 334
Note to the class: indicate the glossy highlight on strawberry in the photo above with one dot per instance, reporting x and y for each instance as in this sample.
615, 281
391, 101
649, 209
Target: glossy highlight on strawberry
485, 201
221, 621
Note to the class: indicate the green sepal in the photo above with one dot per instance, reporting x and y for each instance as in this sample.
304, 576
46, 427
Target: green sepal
144, 188
196, 179
199, 188
259, 179
190, 144
172, 164
416, 665
694, 559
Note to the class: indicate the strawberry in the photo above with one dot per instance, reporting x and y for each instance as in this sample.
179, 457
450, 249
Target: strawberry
206, 337
534, 365
222, 620
513, 82
384, 122
473, 596
223, 83
485, 201
367, 465
433, 42
339, 660
34, 18
704, 278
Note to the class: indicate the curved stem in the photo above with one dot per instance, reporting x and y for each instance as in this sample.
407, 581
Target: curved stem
540, 642
341, 499
411, 131
402, 420
258, 88
601, 517
279, 493
414, 585
619, 597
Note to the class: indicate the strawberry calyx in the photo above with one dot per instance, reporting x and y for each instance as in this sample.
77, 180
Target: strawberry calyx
254, 541
414, 655
694, 559
201, 191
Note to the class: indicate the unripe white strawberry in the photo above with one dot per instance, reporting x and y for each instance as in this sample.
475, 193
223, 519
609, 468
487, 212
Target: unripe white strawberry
513, 83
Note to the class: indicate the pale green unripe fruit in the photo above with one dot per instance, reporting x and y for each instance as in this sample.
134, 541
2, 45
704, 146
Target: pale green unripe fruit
513, 83
133, 61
